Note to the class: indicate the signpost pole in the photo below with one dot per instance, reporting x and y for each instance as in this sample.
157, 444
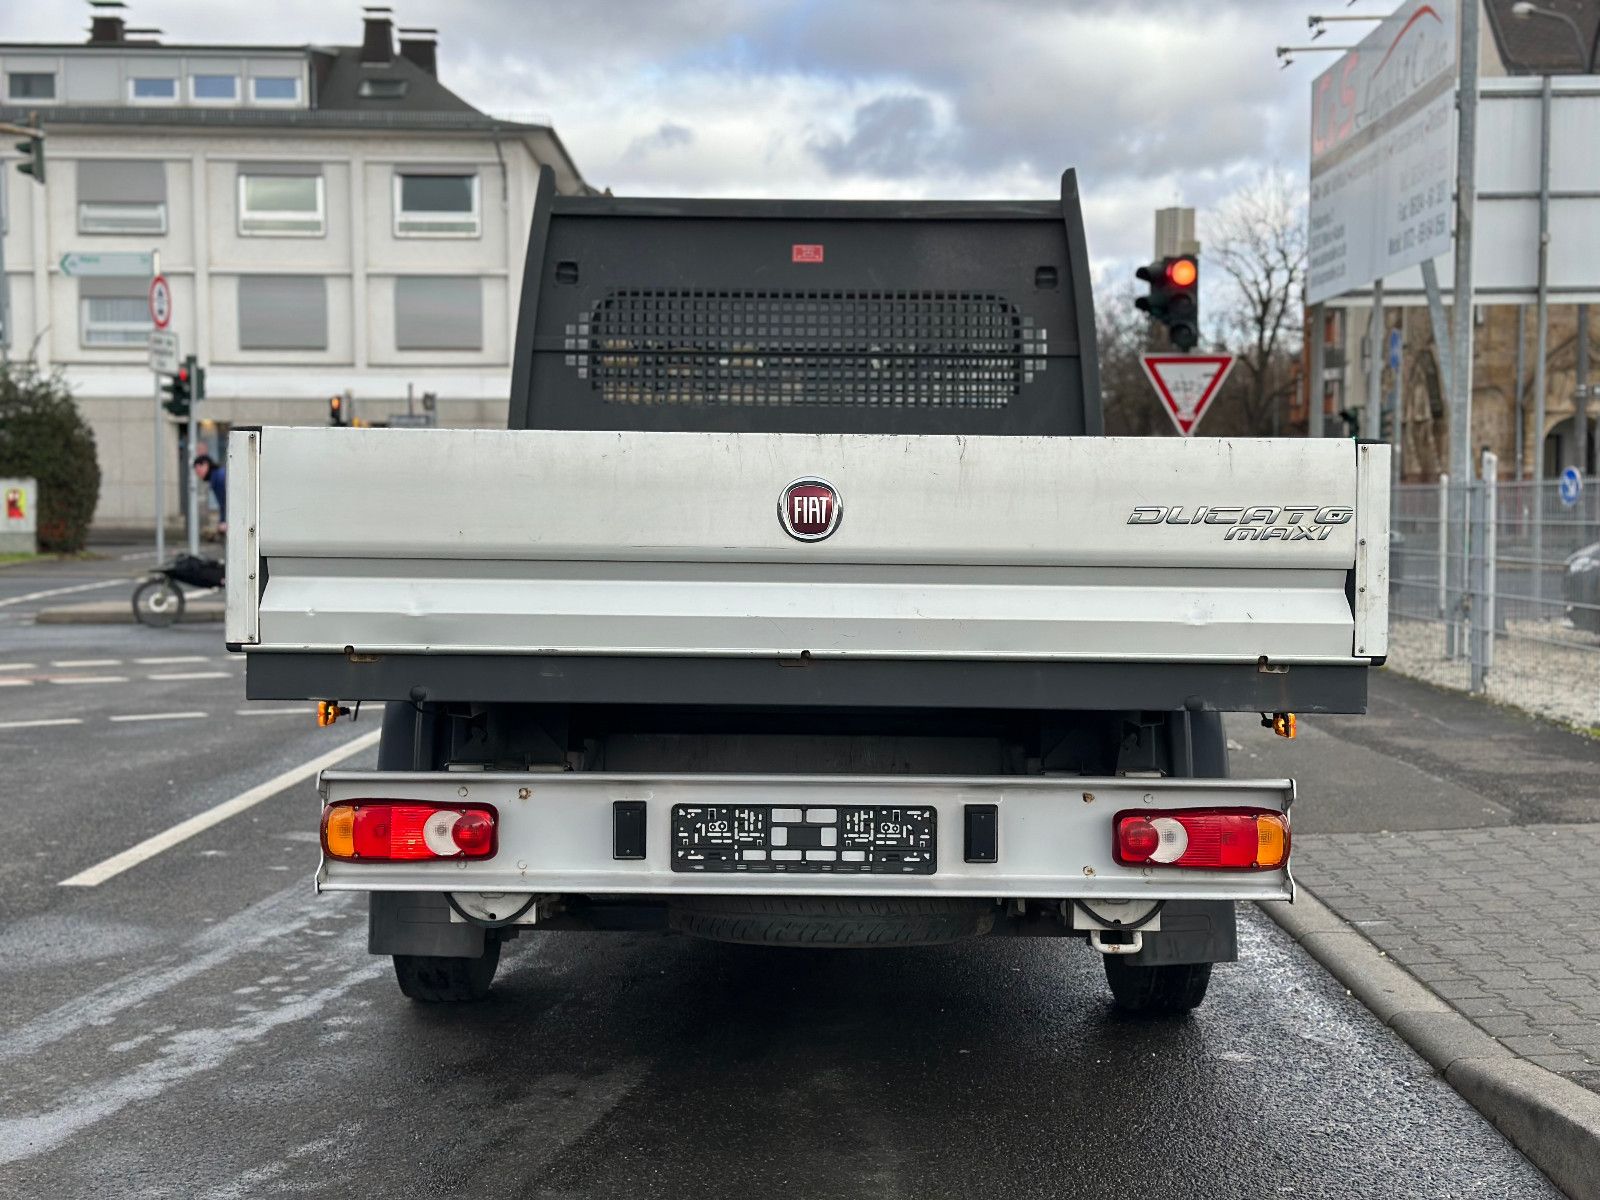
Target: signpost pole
1541, 349
1316, 419
1397, 364
161, 479
192, 497
1371, 411
161, 468
1580, 391
1461, 336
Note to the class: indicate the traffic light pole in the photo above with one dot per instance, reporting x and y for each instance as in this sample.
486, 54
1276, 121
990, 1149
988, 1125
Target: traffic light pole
161, 478
161, 461
192, 497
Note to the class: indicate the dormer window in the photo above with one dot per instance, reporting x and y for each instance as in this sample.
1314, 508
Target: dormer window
382, 89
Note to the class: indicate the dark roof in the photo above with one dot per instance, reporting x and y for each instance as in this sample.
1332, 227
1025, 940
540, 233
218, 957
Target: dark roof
339, 73
1541, 45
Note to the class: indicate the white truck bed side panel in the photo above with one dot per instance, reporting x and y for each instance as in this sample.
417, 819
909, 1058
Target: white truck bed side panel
544, 494
241, 619
1107, 613
1372, 552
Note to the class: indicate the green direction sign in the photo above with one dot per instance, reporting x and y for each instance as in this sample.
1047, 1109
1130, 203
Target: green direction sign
122, 263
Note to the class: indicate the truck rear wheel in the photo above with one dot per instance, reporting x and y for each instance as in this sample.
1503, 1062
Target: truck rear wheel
432, 979
813, 921
1156, 991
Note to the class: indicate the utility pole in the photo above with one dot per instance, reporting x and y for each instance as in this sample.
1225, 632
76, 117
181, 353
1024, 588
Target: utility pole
1461, 336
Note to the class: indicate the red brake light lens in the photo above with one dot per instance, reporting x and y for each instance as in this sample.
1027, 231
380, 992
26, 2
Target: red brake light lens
404, 831
1207, 839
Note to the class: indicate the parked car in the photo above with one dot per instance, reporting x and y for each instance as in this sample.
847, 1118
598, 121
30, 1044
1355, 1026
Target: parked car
1581, 588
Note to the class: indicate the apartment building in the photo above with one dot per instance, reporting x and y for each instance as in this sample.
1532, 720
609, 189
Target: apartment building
330, 218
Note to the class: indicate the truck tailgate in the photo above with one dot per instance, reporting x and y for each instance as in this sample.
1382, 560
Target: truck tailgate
668, 544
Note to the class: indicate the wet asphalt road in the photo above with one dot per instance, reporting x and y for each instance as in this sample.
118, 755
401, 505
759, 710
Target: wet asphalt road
202, 1025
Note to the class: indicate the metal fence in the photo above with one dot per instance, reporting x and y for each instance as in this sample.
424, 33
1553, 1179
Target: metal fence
1490, 591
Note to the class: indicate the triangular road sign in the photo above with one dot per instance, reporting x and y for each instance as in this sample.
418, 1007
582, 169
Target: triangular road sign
1186, 383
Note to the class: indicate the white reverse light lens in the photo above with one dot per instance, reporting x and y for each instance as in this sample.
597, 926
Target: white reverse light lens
1174, 839
436, 833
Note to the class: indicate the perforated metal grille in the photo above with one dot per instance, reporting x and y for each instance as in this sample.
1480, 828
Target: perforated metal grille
961, 350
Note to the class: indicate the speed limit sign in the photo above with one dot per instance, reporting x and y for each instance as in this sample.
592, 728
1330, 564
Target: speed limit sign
160, 301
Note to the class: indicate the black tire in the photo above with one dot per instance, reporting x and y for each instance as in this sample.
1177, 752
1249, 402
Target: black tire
812, 921
158, 603
1156, 991
432, 980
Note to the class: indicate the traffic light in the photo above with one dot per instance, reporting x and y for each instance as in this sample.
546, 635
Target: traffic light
179, 391
32, 151
1174, 297
336, 413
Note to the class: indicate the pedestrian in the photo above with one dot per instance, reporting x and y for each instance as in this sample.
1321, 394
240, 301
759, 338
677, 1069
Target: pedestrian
217, 476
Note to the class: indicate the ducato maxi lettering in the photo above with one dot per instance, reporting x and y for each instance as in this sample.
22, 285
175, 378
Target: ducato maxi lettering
1257, 523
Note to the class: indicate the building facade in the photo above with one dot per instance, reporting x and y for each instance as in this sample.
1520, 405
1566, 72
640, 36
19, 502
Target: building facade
331, 220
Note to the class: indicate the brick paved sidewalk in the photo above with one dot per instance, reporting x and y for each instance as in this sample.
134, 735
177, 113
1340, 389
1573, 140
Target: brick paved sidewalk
1502, 923
1464, 841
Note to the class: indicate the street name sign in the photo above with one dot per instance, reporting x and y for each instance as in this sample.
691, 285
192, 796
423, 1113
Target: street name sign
164, 351
160, 301
1186, 384
120, 264
1383, 152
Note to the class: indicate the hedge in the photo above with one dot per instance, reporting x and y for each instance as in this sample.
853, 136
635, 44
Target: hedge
44, 436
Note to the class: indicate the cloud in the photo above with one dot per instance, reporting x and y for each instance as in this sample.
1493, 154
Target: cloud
1155, 102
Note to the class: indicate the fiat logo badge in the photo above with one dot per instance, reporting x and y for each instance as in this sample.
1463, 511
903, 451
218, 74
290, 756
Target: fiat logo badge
809, 509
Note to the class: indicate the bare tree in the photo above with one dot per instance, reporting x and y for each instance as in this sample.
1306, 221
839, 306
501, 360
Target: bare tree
1258, 239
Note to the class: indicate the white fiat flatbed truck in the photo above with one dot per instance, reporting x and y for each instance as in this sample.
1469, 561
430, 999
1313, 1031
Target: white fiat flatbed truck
803, 603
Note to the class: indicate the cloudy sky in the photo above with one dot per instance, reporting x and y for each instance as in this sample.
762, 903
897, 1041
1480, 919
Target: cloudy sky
1156, 102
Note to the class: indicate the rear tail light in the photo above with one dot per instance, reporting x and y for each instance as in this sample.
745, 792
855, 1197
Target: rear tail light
1207, 839
405, 831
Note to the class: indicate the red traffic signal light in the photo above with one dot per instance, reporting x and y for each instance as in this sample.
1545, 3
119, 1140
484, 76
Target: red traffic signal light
1174, 297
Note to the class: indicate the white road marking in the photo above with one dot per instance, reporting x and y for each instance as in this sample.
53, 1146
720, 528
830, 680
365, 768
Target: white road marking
171, 658
64, 591
274, 712
89, 679
191, 675
86, 662
41, 722
16, 683
183, 830
171, 716
20, 667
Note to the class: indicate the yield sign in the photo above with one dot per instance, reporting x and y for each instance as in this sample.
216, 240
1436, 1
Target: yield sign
1186, 383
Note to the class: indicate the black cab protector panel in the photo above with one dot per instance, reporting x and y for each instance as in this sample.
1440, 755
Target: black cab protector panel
806, 316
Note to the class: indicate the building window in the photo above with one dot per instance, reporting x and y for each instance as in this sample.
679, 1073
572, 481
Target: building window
434, 312
279, 205
275, 89
122, 197
96, 217
216, 89
31, 85
152, 90
113, 312
436, 205
381, 89
283, 312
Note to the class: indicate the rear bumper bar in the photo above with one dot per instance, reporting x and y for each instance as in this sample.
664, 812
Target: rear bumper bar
556, 835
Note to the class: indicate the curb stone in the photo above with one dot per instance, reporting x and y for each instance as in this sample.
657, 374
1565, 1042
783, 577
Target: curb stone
1550, 1119
120, 612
